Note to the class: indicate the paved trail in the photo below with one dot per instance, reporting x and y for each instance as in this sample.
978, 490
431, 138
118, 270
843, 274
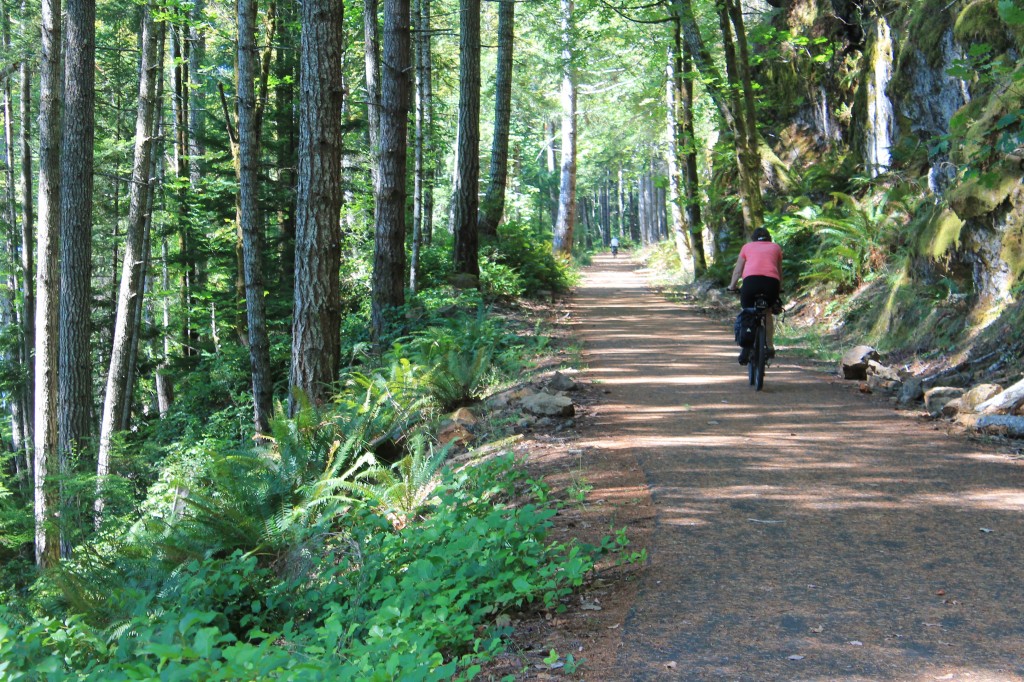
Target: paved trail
806, 532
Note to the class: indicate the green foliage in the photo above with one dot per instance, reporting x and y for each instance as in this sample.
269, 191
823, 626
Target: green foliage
465, 354
842, 242
519, 249
378, 603
403, 489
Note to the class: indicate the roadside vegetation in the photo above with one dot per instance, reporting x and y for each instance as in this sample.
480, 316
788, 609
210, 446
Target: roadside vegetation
345, 544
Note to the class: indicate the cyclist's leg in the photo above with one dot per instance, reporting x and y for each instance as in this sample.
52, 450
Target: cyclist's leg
769, 323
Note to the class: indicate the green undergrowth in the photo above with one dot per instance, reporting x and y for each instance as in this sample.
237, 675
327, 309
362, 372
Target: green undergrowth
370, 600
342, 545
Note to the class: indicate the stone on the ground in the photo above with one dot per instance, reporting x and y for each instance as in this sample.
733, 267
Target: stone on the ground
911, 392
876, 368
453, 431
936, 398
854, 364
545, 405
505, 398
1007, 401
879, 384
1003, 424
560, 382
463, 416
979, 394
952, 408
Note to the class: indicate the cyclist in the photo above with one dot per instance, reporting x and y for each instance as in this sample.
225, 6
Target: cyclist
760, 266
615, 246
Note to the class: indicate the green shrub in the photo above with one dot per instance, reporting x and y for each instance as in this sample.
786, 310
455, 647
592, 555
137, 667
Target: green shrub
419, 603
518, 247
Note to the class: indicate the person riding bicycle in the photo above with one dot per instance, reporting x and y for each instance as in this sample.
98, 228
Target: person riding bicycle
760, 266
615, 246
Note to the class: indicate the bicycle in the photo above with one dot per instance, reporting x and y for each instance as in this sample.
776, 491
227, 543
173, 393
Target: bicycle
758, 359
758, 355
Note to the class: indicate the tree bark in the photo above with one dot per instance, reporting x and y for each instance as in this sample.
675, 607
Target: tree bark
284, 96
493, 206
196, 98
316, 319
562, 243
28, 310
467, 164
694, 223
751, 157
371, 33
74, 386
15, 356
249, 216
388, 278
134, 256
47, 463
419, 36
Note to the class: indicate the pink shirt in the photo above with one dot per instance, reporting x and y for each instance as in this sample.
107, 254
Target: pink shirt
762, 258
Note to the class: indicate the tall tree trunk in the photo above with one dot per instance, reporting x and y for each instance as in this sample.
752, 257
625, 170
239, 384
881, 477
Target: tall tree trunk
252, 239
623, 232
74, 386
47, 463
673, 101
182, 122
196, 98
429, 162
134, 256
28, 310
164, 384
388, 278
467, 163
316, 319
562, 243
751, 158
419, 36
493, 206
694, 223
550, 134
284, 96
371, 34
16, 356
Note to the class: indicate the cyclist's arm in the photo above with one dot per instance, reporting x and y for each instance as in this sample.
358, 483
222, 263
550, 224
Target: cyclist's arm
737, 271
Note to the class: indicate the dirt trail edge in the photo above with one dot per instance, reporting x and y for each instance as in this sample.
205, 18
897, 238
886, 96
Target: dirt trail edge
805, 532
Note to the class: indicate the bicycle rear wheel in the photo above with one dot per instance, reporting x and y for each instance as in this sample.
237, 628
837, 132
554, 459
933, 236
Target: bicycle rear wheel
752, 360
758, 365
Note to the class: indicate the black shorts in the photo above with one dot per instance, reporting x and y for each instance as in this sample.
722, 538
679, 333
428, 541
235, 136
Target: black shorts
759, 284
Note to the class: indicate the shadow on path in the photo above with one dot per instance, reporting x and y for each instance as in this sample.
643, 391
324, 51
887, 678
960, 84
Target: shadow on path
805, 532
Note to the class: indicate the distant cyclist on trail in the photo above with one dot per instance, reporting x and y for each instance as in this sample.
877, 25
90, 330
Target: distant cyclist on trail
760, 266
615, 246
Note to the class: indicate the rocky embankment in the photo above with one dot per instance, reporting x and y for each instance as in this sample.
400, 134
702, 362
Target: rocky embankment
964, 393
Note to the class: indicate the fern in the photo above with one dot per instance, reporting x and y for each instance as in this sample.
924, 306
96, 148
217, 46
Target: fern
404, 489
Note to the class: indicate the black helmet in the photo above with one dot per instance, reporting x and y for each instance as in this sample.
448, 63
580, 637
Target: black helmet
761, 234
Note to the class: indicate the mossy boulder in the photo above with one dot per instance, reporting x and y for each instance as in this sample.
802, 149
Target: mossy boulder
981, 195
979, 22
941, 234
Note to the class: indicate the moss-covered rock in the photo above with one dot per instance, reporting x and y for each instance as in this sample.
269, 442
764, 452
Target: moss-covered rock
982, 194
1013, 235
941, 234
979, 22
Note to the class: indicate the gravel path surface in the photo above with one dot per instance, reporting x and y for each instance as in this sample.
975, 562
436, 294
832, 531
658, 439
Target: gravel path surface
806, 532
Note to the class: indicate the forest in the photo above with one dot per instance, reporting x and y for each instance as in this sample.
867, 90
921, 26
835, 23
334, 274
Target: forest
253, 255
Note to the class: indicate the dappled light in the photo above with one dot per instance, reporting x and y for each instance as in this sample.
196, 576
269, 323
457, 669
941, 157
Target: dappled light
804, 520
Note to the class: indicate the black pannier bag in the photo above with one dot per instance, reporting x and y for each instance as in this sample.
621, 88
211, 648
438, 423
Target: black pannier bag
744, 327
